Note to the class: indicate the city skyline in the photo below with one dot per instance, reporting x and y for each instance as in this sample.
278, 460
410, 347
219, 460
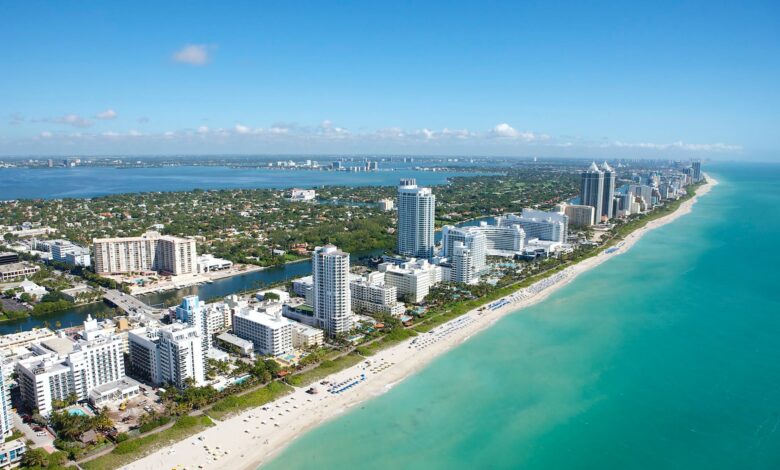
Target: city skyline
550, 80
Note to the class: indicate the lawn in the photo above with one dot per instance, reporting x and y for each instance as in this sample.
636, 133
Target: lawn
237, 403
133, 449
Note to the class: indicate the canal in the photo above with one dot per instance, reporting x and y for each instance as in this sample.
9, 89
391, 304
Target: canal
254, 280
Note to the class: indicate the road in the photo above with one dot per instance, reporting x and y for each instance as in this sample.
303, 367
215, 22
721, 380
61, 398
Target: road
129, 304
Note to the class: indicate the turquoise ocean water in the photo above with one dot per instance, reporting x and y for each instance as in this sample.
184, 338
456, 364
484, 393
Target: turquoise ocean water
665, 357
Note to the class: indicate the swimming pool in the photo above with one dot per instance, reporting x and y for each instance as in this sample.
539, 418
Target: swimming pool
77, 412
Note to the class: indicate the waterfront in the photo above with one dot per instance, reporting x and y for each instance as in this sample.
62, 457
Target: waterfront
664, 357
80, 182
254, 280
220, 288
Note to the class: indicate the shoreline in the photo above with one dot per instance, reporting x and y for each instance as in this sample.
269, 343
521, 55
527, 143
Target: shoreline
201, 278
254, 437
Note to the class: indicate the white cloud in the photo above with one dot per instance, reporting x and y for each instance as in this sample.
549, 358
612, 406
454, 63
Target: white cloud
502, 139
193, 54
679, 145
505, 130
72, 120
107, 114
327, 127
143, 120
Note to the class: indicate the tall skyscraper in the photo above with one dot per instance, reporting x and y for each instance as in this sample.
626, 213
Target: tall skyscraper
608, 193
416, 212
332, 299
592, 189
696, 170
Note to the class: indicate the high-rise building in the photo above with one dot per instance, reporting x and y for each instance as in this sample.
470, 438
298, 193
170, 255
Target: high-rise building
194, 312
547, 226
696, 164
502, 241
580, 215
645, 193
53, 376
592, 189
608, 193
149, 252
472, 237
462, 264
416, 213
167, 354
332, 299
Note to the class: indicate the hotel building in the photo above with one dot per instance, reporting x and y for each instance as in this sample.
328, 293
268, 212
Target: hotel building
167, 354
270, 333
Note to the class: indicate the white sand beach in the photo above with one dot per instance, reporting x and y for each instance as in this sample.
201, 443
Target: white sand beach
247, 440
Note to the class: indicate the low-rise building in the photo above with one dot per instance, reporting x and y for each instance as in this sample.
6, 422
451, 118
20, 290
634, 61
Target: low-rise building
119, 390
29, 287
298, 195
11, 452
232, 343
12, 271
278, 295
23, 339
208, 263
305, 336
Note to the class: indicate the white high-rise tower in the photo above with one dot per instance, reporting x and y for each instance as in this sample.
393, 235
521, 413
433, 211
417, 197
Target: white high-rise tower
416, 213
332, 299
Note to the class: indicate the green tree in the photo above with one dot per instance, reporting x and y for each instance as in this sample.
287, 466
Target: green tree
35, 458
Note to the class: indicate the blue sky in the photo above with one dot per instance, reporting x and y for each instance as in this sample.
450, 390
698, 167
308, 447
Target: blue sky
676, 79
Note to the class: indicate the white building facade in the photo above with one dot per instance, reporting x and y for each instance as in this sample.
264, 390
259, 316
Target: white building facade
416, 217
266, 328
331, 297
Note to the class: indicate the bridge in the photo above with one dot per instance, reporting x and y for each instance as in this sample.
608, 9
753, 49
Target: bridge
130, 305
